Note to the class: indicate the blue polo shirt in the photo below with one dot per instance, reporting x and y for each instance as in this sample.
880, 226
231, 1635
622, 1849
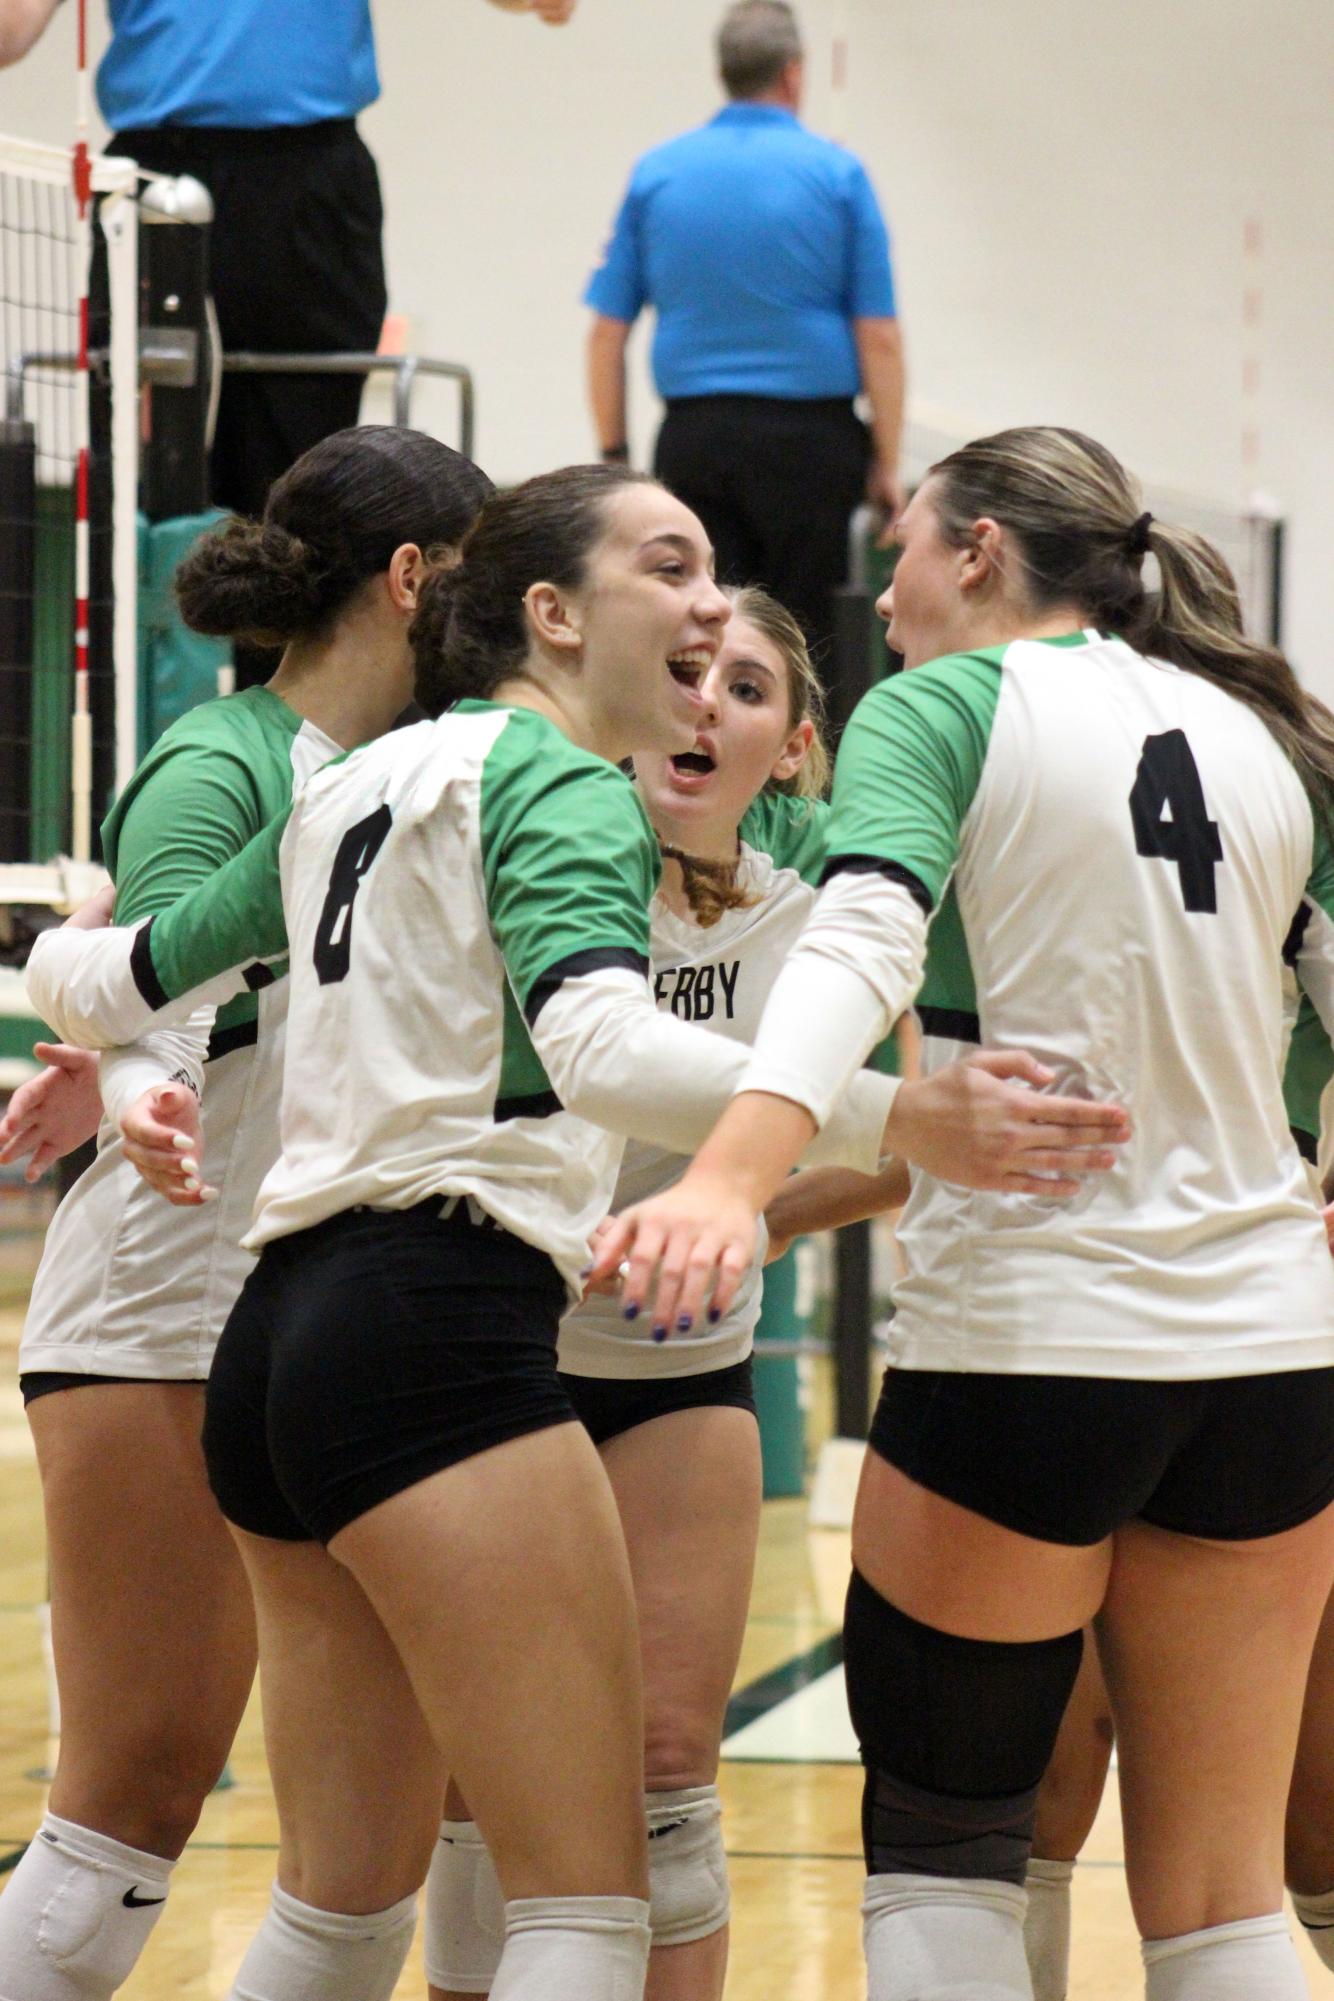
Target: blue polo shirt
236, 62
758, 243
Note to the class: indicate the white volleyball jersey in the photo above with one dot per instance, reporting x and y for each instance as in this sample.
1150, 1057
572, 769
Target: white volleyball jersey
129, 1285
466, 908
720, 977
1114, 851
469, 1013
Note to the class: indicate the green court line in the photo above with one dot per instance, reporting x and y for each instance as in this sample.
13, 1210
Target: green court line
758, 1697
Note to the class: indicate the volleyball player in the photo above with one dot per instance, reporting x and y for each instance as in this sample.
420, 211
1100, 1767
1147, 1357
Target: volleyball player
1073, 1783
151, 1617
741, 824
1125, 1407
467, 915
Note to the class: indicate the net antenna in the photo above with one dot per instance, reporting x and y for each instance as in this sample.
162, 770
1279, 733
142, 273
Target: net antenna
68, 537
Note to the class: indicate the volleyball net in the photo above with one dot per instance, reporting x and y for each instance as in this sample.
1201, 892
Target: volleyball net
68, 470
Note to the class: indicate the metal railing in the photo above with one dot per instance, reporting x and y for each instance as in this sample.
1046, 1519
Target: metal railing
405, 369
172, 366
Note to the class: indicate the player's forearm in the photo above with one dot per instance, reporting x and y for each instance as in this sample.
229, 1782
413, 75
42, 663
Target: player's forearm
606, 381
615, 1060
21, 24
99, 989
880, 355
826, 1198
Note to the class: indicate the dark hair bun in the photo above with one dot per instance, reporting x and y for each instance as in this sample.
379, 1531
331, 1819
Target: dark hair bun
254, 579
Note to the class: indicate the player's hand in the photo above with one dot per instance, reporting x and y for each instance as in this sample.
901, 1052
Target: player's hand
609, 1285
885, 490
95, 914
698, 1236
1326, 1215
164, 1140
54, 1112
986, 1122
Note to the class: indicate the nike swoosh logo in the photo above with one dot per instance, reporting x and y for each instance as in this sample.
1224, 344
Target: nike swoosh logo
669, 1827
136, 1903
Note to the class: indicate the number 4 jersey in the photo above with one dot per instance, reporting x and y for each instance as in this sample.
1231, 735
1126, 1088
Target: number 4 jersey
1112, 852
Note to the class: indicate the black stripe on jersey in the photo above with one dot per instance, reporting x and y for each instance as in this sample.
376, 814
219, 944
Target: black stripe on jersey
951, 1024
259, 975
1306, 1144
876, 865
574, 967
222, 1041
538, 1105
1296, 937
144, 972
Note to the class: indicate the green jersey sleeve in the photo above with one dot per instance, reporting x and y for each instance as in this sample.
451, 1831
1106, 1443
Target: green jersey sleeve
793, 831
233, 918
185, 813
569, 860
909, 765
1309, 1068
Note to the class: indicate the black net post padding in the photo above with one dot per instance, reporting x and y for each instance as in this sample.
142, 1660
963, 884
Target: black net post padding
18, 597
853, 1316
174, 322
849, 673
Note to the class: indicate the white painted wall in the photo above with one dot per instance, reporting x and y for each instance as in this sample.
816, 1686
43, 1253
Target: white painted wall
1067, 188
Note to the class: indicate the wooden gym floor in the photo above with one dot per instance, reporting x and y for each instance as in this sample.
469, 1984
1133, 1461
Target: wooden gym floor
790, 1798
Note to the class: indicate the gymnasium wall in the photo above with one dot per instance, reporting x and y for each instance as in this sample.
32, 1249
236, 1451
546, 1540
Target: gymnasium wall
1068, 190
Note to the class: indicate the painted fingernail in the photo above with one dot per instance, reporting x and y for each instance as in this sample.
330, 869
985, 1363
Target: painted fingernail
630, 1312
191, 1183
715, 1315
181, 1142
585, 1271
660, 1333
685, 1323
207, 1194
189, 1163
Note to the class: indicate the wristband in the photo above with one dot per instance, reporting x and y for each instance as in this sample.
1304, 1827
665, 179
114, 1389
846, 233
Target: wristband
616, 455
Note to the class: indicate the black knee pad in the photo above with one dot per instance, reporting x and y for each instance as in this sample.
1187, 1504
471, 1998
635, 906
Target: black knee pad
955, 1736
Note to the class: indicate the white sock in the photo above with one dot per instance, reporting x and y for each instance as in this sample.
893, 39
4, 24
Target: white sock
76, 1914
574, 1949
301, 1954
1251, 1960
944, 1938
464, 1927
1047, 1927
1317, 1916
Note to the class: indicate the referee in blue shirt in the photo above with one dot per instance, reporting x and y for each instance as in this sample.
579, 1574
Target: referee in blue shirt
764, 253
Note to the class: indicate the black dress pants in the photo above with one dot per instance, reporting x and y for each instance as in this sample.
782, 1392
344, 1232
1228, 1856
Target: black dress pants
775, 482
296, 266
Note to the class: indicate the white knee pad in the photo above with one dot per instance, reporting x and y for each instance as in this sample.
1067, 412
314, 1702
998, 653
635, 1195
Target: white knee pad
957, 1937
464, 1931
687, 1867
1253, 1959
301, 1953
1317, 1916
574, 1949
77, 1913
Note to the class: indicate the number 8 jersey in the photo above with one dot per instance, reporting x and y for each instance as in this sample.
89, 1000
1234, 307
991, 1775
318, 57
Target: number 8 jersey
1113, 851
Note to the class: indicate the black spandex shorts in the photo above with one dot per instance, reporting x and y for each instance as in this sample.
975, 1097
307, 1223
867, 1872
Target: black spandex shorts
371, 1351
608, 1405
34, 1383
1070, 1458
